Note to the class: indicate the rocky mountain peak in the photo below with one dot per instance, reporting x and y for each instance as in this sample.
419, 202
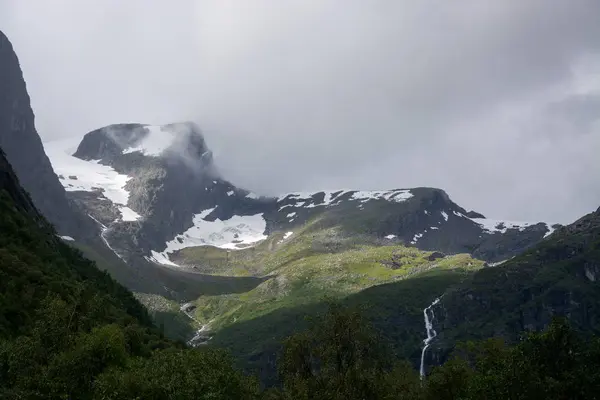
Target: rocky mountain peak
177, 142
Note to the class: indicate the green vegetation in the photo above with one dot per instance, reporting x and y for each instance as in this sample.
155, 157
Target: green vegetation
312, 264
319, 261
556, 277
68, 330
341, 357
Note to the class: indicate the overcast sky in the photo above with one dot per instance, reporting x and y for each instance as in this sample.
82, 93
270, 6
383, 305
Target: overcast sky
497, 102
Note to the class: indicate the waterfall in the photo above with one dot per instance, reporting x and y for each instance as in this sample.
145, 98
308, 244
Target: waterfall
431, 333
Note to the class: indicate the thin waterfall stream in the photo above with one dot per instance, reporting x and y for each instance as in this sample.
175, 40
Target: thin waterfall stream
431, 333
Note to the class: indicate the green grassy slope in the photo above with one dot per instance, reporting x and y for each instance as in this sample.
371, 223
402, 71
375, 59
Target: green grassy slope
318, 262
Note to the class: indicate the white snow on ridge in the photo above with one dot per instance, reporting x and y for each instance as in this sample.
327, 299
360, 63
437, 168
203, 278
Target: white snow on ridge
89, 176
389, 195
67, 238
154, 143
551, 230
236, 233
160, 258
493, 225
332, 197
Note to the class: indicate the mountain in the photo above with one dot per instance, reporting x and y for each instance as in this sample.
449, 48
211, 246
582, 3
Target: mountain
25, 152
165, 209
155, 190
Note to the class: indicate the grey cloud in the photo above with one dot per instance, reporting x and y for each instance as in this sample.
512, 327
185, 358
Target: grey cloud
581, 110
493, 101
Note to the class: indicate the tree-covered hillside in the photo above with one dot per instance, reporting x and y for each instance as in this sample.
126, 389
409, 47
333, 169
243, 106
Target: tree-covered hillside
559, 276
68, 330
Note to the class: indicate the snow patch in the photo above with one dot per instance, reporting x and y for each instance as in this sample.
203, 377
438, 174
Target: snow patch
160, 258
493, 226
390, 237
445, 215
235, 233
230, 193
416, 238
128, 214
252, 196
390, 195
89, 176
67, 238
291, 215
551, 230
287, 235
333, 197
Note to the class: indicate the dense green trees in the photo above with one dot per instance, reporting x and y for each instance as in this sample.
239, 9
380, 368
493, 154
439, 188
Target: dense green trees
340, 358
69, 331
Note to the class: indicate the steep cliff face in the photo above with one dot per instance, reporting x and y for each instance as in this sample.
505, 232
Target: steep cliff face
9, 183
24, 151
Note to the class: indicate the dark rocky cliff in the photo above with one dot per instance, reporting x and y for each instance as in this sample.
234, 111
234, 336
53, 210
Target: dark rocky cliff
24, 151
9, 184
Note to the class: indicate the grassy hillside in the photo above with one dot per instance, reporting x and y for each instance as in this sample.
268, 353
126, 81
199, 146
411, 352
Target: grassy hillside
315, 264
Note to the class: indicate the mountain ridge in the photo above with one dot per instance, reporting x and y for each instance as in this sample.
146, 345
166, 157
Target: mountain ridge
156, 170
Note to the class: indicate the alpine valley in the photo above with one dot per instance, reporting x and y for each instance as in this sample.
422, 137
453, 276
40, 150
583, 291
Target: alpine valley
218, 265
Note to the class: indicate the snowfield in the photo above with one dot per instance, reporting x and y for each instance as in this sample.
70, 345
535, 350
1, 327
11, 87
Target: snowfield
89, 176
236, 233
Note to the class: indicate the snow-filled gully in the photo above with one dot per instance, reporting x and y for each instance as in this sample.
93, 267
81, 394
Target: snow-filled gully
431, 333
